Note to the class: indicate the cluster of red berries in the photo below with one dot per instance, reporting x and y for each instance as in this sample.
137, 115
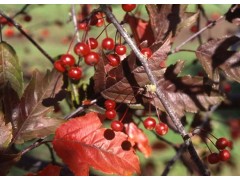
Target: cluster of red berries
67, 63
223, 154
160, 128
111, 113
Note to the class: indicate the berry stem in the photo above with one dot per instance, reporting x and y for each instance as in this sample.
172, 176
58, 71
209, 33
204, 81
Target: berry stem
124, 114
71, 43
102, 31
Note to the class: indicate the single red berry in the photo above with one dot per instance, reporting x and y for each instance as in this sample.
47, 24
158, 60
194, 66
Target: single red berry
213, 158
100, 21
67, 60
161, 129
113, 59
121, 49
110, 114
83, 26
81, 49
224, 155
128, 7
149, 123
227, 87
109, 104
27, 18
222, 143
146, 52
92, 58
3, 20
108, 43
194, 29
59, 66
9, 32
93, 43
117, 126
75, 73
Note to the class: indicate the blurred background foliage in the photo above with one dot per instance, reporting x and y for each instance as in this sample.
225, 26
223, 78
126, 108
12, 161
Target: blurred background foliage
52, 28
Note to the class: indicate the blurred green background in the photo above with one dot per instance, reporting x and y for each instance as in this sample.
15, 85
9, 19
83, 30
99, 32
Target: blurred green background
52, 28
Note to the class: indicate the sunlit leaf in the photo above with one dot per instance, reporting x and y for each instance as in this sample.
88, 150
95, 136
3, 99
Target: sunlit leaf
82, 144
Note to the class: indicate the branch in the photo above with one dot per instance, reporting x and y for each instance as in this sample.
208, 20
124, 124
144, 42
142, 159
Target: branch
159, 93
19, 28
75, 23
173, 160
213, 23
21, 11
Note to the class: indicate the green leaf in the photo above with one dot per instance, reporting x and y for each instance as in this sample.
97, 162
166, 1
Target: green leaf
29, 118
10, 70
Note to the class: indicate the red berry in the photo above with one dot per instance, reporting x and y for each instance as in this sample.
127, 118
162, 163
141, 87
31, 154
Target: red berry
92, 58
149, 123
227, 87
59, 66
100, 21
113, 59
128, 7
93, 43
9, 32
213, 158
117, 126
222, 143
161, 129
109, 104
110, 114
120, 49
75, 73
67, 60
146, 52
83, 26
81, 49
224, 155
194, 29
3, 20
108, 43
27, 18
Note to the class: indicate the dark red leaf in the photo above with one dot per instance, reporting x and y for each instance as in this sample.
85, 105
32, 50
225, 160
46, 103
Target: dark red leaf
81, 144
29, 117
215, 55
141, 29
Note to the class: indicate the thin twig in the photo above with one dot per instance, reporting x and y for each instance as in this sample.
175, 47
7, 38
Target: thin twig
213, 23
79, 110
19, 28
170, 110
51, 153
39, 142
21, 11
173, 160
75, 23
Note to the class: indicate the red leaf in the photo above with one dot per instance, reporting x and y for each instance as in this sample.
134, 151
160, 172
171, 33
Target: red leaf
141, 29
49, 170
80, 143
137, 136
